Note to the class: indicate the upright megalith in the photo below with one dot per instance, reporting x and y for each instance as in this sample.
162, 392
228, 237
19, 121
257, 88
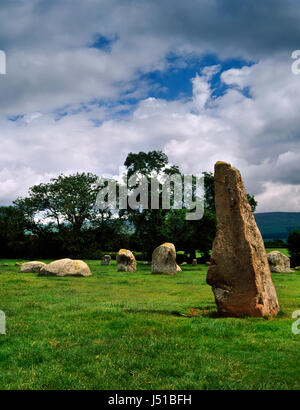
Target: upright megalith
126, 261
106, 260
164, 260
239, 272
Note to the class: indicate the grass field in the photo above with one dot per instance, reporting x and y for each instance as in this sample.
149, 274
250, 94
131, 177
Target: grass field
128, 331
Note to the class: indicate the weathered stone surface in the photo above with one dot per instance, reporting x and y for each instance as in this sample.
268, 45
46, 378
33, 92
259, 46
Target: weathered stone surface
126, 261
194, 262
31, 267
183, 263
279, 262
239, 272
66, 267
164, 260
106, 260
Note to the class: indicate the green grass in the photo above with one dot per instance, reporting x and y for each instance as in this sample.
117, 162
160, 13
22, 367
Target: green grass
125, 331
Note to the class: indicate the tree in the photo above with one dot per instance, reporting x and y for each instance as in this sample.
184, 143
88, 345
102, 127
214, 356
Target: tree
209, 191
293, 245
65, 205
190, 236
149, 224
154, 226
145, 163
253, 203
62, 217
12, 227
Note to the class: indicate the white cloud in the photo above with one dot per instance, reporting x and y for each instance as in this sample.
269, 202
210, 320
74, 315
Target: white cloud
49, 64
283, 197
235, 76
235, 129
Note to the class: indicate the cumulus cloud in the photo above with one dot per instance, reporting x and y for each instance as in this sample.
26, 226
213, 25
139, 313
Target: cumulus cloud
50, 65
283, 197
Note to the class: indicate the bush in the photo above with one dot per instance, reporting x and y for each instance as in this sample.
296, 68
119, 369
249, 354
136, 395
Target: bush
276, 243
293, 245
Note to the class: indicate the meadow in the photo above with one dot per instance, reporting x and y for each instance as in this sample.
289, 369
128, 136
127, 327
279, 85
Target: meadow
140, 331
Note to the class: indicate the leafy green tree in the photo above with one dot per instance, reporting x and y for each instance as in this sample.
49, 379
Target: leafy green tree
145, 163
62, 217
293, 245
209, 191
276, 243
154, 226
149, 224
190, 236
253, 203
12, 231
65, 205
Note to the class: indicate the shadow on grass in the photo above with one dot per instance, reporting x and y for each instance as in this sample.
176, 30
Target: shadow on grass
191, 312
151, 311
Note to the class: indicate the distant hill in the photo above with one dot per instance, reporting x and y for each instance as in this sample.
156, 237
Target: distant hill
277, 225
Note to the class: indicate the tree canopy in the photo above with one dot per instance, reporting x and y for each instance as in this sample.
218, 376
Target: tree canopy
293, 245
61, 217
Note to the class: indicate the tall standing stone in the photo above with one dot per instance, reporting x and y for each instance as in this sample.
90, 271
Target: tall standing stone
239, 272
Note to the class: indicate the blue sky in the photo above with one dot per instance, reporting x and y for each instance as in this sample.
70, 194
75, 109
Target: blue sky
102, 42
175, 82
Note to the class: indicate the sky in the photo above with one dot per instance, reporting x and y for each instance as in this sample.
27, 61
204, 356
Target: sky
203, 80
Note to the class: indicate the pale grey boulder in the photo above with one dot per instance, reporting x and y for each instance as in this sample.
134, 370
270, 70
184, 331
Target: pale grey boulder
66, 267
279, 262
32, 267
